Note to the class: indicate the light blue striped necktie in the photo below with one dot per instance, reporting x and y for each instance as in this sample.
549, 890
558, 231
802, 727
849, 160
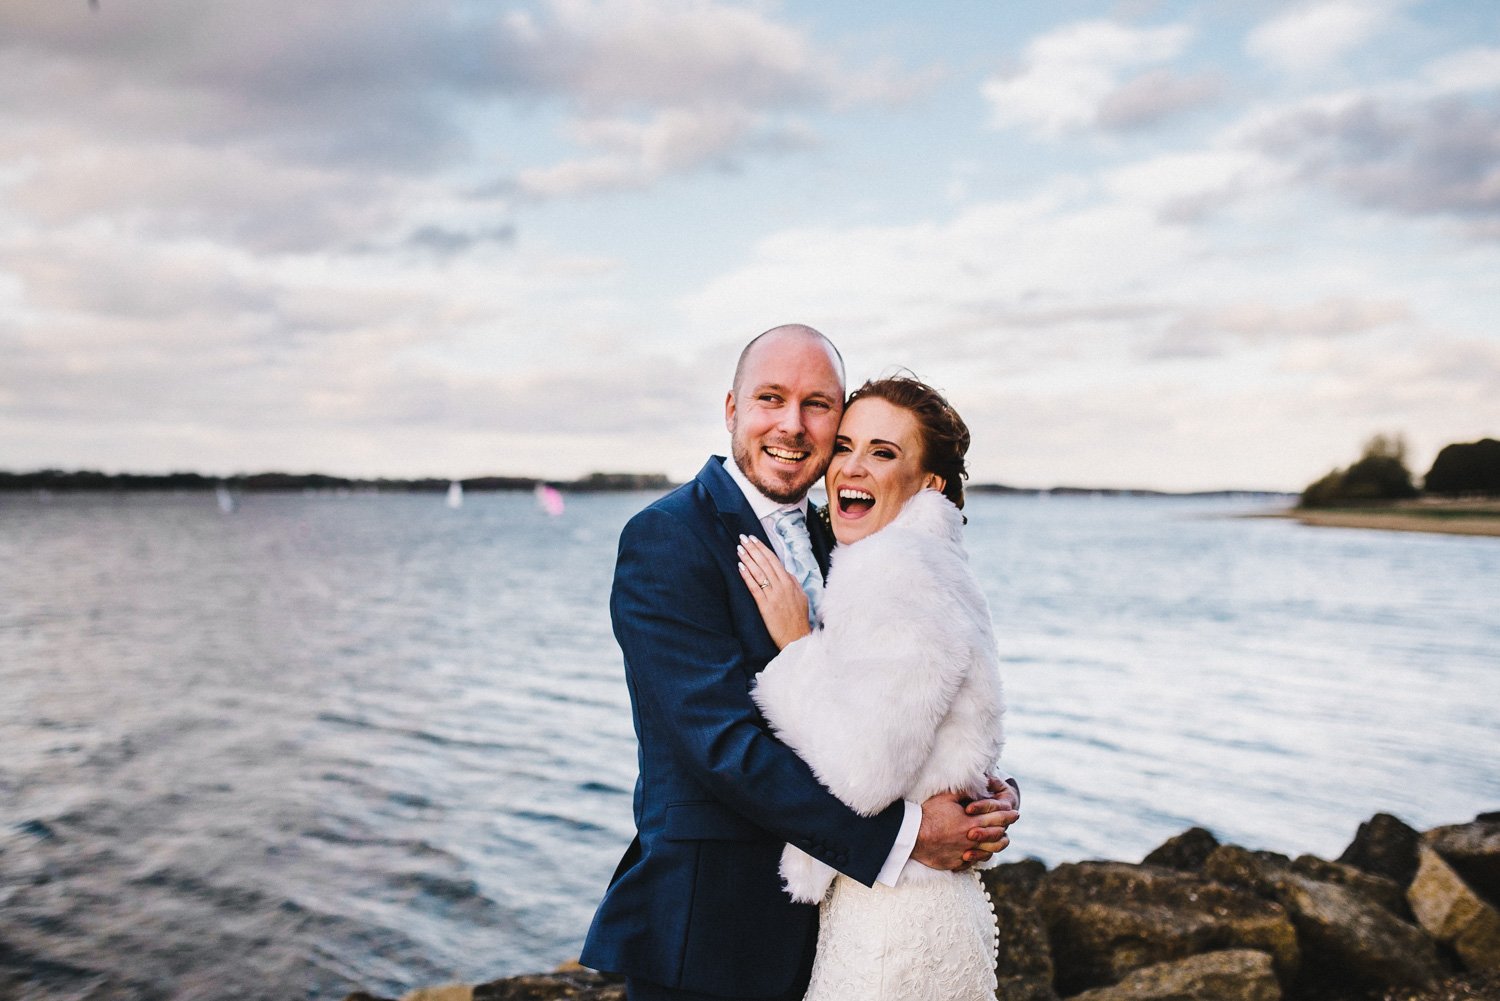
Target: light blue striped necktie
791, 525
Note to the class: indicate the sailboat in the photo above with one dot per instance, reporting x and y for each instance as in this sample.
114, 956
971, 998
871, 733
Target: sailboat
227, 502
549, 500
455, 495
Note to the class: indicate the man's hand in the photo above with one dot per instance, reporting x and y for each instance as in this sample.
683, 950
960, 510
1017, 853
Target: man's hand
953, 836
1004, 797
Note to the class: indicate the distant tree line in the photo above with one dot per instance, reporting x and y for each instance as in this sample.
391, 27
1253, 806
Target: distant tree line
66, 481
1381, 474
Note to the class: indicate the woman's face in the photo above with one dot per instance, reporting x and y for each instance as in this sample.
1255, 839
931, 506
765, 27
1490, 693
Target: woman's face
876, 468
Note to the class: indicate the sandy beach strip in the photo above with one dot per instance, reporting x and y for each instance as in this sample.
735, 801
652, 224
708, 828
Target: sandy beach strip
1454, 518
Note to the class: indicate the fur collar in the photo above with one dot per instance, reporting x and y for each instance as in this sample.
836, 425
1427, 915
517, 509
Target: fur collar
897, 693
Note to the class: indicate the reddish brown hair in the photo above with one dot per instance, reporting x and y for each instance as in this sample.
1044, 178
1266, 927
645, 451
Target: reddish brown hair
945, 436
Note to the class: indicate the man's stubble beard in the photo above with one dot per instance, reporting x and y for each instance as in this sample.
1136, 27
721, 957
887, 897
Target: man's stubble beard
742, 457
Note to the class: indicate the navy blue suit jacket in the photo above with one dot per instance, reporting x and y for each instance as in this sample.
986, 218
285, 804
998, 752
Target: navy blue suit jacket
696, 903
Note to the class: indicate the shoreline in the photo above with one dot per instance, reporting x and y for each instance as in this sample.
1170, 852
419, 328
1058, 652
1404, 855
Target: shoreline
1438, 517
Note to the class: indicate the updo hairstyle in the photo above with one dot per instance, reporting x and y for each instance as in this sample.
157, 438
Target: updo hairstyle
945, 436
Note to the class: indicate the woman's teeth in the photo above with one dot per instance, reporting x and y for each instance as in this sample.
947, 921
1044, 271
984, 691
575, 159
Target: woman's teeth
852, 500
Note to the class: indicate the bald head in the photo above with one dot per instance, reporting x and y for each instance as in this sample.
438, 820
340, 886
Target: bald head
787, 333
783, 411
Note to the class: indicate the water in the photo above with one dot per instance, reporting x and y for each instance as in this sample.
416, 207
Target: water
327, 743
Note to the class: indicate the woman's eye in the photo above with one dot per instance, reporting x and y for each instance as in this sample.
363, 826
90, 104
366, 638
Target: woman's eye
884, 453
839, 448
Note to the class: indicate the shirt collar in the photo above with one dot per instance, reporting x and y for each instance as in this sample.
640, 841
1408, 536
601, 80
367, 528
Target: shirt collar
760, 504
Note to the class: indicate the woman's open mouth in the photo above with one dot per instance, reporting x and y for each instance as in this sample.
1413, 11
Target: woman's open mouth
854, 502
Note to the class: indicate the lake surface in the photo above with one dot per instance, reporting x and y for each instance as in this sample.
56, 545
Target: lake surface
329, 743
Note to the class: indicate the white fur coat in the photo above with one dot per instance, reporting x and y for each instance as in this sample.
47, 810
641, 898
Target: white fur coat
897, 694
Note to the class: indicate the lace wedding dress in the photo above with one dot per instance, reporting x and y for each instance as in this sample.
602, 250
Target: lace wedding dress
931, 940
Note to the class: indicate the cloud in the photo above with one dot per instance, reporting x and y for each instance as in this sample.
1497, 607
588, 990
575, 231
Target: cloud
636, 154
1468, 70
1433, 156
1155, 96
445, 242
320, 84
188, 192
1070, 78
631, 53
1314, 35
1211, 332
401, 87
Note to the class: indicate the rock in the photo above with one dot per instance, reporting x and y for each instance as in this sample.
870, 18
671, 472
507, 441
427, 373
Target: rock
1473, 850
447, 992
1229, 975
1239, 867
1024, 963
566, 985
1382, 890
1453, 914
1107, 919
1186, 852
362, 996
1348, 938
1384, 846
1344, 934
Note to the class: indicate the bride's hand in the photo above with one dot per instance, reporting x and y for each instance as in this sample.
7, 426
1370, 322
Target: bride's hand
781, 600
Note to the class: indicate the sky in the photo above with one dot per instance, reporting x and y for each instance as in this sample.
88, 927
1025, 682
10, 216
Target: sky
1139, 244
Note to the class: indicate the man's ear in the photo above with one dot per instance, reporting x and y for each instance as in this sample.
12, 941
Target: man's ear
936, 482
729, 411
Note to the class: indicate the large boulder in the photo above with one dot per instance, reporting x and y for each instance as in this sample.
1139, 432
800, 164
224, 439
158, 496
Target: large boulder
1379, 889
1349, 938
1344, 935
1024, 962
1451, 912
1107, 919
1230, 975
1473, 850
1384, 846
1185, 852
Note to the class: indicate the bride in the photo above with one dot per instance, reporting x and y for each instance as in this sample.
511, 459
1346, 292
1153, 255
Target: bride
894, 694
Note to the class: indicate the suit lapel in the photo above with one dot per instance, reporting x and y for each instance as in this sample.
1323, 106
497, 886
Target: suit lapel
729, 501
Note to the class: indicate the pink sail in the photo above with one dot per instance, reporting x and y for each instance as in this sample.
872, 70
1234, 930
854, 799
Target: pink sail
549, 499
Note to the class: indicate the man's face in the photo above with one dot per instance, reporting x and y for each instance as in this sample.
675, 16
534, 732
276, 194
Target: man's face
784, 414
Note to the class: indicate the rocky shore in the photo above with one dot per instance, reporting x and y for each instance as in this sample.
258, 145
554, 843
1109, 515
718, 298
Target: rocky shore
1401, 915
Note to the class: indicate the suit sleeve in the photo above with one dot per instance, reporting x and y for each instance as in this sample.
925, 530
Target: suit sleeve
688, 669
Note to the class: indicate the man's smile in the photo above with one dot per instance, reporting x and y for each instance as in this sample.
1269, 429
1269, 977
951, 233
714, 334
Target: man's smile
787, 455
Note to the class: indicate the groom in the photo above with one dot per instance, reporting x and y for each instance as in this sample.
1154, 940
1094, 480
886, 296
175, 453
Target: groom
695, 910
